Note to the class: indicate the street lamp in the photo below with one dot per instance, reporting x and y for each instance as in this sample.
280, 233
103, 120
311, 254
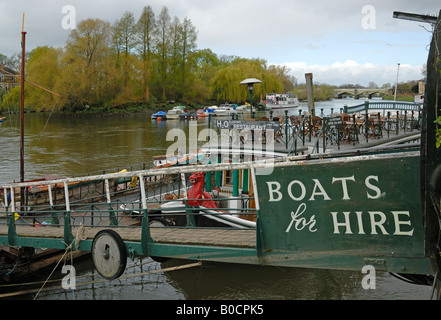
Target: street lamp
396, 83
250, 83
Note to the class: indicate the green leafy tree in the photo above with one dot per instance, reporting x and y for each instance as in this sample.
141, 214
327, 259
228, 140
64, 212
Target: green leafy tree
163, 49
124, 40
43, 68
85, 68
188, 42
146, 41
225, 83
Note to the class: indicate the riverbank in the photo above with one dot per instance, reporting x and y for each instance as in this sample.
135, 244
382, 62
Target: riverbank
149, 109
111, 110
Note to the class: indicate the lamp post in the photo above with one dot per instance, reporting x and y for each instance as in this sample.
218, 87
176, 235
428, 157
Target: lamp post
250, 83
396, 83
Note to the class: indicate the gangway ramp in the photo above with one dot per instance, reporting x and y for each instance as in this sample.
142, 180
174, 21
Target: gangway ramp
178, 236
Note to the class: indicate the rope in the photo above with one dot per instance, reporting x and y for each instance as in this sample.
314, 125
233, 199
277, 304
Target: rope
56, 266
80, 235
45, 125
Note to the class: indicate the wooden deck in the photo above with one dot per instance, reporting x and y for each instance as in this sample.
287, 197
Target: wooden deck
179, 236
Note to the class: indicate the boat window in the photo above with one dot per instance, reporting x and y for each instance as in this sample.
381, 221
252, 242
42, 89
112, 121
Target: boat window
228, 178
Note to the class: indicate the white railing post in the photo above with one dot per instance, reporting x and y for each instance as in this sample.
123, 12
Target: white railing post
143, 195
106, 182
6, 197
51, 201
12, 200
66, 197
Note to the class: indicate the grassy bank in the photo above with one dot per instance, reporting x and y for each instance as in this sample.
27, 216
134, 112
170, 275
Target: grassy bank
400, 98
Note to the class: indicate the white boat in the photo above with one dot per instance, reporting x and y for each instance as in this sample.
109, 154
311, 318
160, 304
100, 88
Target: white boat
210, 110
175, 113
225, 110
244, 108
281, 101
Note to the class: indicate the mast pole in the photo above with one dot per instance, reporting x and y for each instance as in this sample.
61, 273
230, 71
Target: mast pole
23, 47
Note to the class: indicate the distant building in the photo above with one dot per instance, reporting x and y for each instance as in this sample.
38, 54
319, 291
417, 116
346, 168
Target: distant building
421, 87
419, 98
7, 80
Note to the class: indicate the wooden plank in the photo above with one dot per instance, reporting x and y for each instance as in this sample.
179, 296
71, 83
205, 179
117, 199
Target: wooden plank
181, 236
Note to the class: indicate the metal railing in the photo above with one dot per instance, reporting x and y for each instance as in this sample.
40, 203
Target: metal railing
385, 106
298, 133
114, 208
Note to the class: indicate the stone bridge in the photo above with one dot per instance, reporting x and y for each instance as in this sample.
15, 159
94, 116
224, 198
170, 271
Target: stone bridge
357, 93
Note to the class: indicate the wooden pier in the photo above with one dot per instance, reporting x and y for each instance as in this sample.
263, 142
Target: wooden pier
167, 235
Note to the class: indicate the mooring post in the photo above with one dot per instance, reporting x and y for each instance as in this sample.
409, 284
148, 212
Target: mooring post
388, 123
68, 237
51, 203
146, 238
12, 235
355, 128
112, 218
405, 121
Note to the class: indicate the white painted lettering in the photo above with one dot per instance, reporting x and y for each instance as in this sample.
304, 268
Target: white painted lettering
399, 222
346, 224
321, 193
360, 222
372, 187
272, 191
377, 221
302, 188
300, 222
344, 185
379, 224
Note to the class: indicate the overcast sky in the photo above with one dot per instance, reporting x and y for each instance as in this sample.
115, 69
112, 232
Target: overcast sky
351, 41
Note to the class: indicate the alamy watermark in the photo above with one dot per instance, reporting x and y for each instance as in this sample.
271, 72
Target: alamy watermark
69, 281
226, 145
369, 21
369, 280
69, 21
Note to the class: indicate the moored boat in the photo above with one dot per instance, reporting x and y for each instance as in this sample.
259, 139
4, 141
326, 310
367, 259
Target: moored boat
201, 113
188, 116
175, 113
210, 110
225, 109
281, 101
159, 115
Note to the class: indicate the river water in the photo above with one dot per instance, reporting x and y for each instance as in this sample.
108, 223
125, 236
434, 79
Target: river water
69, 146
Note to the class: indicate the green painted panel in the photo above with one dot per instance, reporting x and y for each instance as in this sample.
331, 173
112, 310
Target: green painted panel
368, 207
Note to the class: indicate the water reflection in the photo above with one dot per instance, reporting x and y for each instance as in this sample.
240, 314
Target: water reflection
218, 281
